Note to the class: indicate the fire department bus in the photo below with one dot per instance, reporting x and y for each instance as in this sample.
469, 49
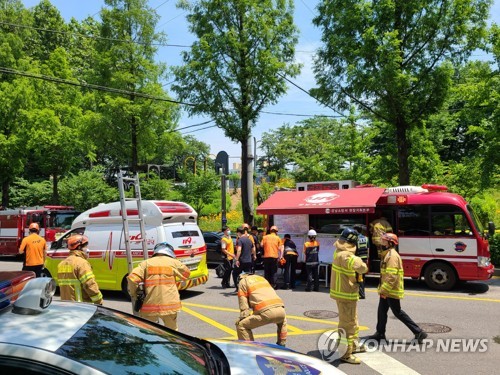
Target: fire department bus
440, 237
14, 223
173, 222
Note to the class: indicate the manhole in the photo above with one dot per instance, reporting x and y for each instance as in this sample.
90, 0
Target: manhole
434, 328
321, 314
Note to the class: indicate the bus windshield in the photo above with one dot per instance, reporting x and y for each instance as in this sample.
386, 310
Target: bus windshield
475, 220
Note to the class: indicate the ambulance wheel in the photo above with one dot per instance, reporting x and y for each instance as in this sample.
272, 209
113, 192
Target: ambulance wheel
125, 288
45, 273
440, 276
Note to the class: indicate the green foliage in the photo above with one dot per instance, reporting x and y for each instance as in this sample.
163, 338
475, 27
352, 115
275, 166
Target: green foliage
239, 63
495, 250
235, 179
153, 187
200, 189
87, 189
30, 194
389, 58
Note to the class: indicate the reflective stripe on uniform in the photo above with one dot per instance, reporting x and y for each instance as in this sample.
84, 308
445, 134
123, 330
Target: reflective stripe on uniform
269, 302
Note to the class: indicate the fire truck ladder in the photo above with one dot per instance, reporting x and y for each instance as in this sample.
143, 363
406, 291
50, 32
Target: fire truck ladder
122, 180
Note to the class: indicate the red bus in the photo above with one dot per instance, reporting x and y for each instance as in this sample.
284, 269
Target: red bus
440, 237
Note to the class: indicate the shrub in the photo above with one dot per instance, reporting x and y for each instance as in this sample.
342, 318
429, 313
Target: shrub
495, 249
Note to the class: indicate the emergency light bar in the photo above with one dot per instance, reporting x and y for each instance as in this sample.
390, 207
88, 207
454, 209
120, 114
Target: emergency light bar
28, 295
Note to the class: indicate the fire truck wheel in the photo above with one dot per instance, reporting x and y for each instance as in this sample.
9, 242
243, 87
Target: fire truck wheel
440, 276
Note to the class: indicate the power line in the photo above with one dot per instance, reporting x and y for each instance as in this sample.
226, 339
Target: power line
92, 36
341, 115
301, 115
192, 126
91, 86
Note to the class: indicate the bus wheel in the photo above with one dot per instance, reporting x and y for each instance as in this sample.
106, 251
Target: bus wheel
440, 276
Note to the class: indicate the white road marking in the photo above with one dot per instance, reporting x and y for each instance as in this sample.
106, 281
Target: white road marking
384, 364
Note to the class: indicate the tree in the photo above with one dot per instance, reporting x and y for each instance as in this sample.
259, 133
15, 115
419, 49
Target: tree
200, 189
87, 189
390, 58
245, 48
131, 128
317, 149
15, 93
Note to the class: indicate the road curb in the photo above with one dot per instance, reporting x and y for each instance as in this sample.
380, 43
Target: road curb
497, 272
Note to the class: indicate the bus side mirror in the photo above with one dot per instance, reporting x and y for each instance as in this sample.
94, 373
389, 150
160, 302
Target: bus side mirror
491, 228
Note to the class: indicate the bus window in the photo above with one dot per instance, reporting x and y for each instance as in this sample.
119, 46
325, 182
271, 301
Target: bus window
449, 221
413, 221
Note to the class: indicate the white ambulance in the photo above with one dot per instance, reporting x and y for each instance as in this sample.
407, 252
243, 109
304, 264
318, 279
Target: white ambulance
173, 222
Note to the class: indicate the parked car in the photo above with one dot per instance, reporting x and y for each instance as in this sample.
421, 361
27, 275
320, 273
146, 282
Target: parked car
41, 336
214, 253
213, 243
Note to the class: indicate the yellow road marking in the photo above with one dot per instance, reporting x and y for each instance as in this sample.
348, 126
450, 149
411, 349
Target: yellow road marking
211, 321
292, 330
445, 297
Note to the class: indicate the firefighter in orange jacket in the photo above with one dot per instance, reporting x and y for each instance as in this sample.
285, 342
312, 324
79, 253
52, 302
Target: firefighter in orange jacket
75, 276
259, 305
344, 289
35, 248
155, 279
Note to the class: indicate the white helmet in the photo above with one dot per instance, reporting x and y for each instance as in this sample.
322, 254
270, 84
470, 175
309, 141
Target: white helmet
311, 233
164, 248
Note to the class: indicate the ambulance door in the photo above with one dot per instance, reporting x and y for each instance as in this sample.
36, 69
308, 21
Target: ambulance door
102, 247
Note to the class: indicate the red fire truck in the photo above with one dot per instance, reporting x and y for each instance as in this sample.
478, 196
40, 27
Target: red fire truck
440, 237
14, 223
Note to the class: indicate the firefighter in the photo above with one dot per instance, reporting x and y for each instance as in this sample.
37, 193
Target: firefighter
362, 247
259, 305
75, 277
35, 249
377, 227
344, 289
311, 257
391, 290
154, 281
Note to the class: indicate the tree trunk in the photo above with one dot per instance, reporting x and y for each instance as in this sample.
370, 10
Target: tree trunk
403, 148
133, 129
5, 194
55, 192
245, 194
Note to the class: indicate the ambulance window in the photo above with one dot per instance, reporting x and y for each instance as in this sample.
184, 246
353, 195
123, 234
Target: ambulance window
413, 221
185, 233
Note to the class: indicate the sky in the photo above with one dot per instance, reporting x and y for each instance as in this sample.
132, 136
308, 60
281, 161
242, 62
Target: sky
295, 106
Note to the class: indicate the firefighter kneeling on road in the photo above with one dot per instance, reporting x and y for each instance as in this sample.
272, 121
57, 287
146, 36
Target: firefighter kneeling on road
153, 288
344, 289
75, 276
257, 296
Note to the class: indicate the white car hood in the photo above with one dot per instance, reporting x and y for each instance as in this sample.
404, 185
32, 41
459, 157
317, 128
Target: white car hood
260, 358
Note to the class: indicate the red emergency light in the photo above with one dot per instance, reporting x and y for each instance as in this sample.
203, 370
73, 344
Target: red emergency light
173, 207
433, 187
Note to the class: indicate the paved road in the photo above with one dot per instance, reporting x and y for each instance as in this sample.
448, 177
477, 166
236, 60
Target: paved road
464, 316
